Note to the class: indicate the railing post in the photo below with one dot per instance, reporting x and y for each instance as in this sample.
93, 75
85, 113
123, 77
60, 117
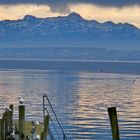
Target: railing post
114, 123
21, 122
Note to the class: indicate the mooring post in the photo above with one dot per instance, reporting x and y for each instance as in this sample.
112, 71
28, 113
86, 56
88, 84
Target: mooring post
21, 122
5, 120
42, 136
114, 123
11, 116
2, 129
46, 126
11, 112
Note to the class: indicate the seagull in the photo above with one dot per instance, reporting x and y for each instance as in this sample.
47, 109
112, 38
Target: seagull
6, 108
21, 101
37, 122
37, 137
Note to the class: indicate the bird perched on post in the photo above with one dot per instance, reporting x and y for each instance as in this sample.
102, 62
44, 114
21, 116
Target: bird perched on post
37, 137
21, 101
6, 108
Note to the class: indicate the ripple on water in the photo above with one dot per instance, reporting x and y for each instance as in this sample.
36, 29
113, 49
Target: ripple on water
80, 100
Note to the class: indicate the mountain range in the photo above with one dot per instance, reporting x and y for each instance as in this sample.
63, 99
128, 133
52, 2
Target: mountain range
68, 31
68, 37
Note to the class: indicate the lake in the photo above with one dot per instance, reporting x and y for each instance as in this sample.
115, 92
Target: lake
80, 93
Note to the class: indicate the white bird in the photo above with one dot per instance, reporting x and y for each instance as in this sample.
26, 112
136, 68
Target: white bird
37, 122
6, 108
37, 137
21, 100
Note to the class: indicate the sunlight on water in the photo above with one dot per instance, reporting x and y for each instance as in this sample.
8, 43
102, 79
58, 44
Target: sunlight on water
80, 100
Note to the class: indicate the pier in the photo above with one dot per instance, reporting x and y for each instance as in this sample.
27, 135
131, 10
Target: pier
22, 129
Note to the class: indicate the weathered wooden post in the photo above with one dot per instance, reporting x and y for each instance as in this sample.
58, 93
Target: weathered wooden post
46, 126
114, 123
11, 112
21, 122
2, 129
11, 116
42, 136
5, 120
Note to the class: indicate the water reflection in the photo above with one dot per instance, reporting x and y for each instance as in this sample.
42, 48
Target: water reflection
80, 100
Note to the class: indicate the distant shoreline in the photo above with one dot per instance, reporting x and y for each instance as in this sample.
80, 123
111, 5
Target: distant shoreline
65, 60
126, 67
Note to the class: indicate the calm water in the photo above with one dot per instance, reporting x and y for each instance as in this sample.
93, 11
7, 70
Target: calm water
80, 99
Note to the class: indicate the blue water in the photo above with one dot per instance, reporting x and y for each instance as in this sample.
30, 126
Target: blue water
130, 67
80, 94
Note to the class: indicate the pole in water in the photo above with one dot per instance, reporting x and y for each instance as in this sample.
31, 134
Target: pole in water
21, 122
11, 112
46, 126
2, 129
114, 123
42, 136
11, 116
5, 117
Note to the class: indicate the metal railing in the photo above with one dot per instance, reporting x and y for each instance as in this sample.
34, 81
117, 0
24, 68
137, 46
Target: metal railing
55, 128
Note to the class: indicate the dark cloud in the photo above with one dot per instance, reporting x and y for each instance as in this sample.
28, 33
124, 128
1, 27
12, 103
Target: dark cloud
55, 5
114, 3
61, 5
48, 2
58, 2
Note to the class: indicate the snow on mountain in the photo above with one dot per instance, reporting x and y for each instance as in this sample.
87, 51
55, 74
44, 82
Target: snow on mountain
70, 24
65, 29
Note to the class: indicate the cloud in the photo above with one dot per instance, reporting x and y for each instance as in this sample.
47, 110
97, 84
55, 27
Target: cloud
58, 5
19, 11
128, 14
64, 2
101, 10
114, 3
62, 5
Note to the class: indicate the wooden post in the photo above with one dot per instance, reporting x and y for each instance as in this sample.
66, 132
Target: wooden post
11, 117
46, 126
2, 129
42, 136
21, 122
11, 112
114, 123
5, 120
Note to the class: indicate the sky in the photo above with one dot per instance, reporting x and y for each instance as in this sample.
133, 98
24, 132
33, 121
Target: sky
101, 10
